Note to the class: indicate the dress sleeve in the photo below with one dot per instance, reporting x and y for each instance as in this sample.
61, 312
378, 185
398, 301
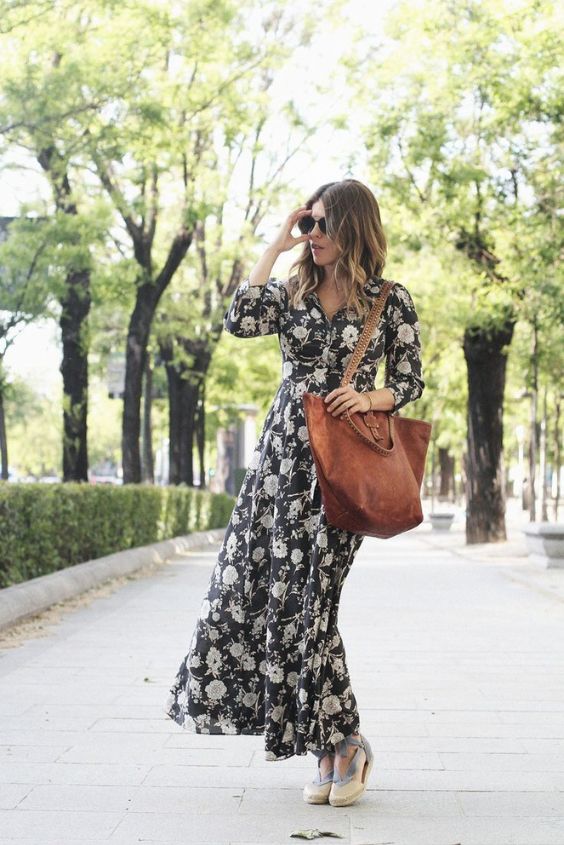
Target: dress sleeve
403, 349
256, 309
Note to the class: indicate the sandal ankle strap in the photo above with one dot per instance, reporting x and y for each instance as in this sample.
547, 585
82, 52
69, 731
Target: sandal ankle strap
342, 746
320, 753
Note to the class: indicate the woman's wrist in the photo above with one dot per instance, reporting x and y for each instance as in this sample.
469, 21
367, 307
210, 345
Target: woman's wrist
260, 273
381, 399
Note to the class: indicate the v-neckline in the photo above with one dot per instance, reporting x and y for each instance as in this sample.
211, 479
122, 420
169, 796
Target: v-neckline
327, 317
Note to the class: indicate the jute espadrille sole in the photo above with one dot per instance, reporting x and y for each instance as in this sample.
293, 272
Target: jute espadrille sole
315, 793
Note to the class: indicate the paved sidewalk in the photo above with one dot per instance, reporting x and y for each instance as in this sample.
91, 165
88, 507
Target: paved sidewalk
456, 657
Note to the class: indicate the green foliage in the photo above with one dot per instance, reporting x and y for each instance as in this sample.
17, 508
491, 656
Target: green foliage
462, 127
44, 528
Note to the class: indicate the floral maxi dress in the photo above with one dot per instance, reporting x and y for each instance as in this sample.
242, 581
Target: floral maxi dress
266, 656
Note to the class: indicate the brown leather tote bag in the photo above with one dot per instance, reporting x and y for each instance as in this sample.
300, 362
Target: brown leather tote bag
369, 464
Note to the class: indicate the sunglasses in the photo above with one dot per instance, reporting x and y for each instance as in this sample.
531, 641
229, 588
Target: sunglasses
307, 224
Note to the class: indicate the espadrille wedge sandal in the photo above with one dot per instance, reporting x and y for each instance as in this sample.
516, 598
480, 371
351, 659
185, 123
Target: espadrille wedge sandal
317, 791
345, 790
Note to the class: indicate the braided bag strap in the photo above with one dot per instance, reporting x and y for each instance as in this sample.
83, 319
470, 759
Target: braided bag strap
364, 339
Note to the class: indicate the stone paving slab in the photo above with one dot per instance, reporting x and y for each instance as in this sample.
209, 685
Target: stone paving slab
456, 657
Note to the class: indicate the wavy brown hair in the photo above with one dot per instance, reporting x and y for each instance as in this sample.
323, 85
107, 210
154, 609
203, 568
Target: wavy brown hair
354, 225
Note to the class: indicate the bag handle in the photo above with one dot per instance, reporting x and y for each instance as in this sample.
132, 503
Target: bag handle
364, 339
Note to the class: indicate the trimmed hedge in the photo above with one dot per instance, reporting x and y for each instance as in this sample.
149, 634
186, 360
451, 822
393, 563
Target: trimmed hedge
47, 527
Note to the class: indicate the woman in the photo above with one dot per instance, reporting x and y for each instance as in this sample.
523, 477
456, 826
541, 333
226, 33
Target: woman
266, 655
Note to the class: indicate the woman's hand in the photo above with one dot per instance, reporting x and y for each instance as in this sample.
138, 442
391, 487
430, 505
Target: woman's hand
284, 239
346, 398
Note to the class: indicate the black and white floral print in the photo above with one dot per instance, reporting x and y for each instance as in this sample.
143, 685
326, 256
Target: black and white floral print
266, 656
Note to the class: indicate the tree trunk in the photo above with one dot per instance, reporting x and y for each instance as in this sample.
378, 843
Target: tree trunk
557, 455
148, 463
183, 397
533, 433
184, 388
486, 358
3, 439
543, 448
75, 308
147, 299
446, 477
74, 369
135, 359
201, 435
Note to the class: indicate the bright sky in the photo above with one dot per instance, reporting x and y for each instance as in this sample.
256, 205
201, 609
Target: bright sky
35, 356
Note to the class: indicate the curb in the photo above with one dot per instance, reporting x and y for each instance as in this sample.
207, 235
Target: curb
33, 596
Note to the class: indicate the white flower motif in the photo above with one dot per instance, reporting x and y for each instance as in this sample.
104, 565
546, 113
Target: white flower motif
237, 649
299, 332
277, 712
248, 662
215, 690
267, 520
287, 369
350, 336
296, 555
404, 367
279, 548
253, 291
405, 333
331, 704
276, 674
278, 589
292, 679
230, 575
213, 658
288, 734
285, 465
271, 484
248, 324
322, 540
339, 666
249, 699
255, 460
310, 524
205, 609
302, 433
258, 553
227, 726
236, 612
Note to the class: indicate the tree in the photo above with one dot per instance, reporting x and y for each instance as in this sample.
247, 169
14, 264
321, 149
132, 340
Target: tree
134, 96
166, 139
24, 294
455, 115
192, 320
47, 89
